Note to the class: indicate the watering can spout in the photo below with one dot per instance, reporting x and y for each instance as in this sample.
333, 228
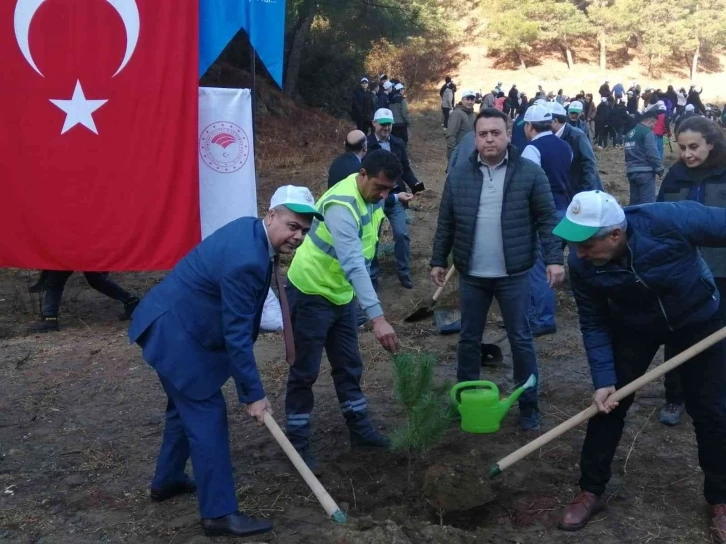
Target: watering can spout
507, 403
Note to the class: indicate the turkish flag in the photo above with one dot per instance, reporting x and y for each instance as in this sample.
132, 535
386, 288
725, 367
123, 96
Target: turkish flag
98, 138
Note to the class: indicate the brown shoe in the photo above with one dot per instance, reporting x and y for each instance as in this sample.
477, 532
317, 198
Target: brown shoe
718, 517
580, 510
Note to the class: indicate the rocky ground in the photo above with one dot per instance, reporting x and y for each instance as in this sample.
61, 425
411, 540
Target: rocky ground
81, 417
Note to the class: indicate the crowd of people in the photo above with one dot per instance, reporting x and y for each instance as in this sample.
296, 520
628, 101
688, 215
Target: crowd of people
522, 197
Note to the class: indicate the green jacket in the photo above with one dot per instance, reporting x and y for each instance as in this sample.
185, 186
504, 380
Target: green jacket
641, 151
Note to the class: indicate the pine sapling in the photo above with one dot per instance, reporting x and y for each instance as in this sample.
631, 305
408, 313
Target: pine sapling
424, 404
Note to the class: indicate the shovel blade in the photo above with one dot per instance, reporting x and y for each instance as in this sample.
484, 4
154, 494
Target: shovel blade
423, 312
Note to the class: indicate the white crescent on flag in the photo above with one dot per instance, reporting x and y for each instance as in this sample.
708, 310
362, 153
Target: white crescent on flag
127, 10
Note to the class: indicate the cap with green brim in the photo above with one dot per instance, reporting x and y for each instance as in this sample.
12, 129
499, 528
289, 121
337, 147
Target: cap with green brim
589, 212
572, 232
305, 210
296, 199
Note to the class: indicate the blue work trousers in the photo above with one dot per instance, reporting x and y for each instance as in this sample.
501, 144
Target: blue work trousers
319, 324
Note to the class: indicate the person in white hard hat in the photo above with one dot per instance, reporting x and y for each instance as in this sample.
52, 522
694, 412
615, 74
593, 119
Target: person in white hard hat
641, 283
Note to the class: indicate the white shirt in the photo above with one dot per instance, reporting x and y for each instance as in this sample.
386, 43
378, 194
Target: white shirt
385, 144
271, 250
561, 131
531, 152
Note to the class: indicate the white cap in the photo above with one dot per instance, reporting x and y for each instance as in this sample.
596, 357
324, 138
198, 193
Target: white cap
387, 85
364, 79
576, 106
467, 92
557, 109
537, 114
499, 83
540, 102
588, 212
296, 199
399, 86
690, 107
383, 115
660, 105
603, 99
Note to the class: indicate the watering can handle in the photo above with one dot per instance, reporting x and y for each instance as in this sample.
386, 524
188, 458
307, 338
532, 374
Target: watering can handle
462, 385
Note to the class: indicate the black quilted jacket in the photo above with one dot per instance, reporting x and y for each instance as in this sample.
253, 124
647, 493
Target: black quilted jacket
527, 208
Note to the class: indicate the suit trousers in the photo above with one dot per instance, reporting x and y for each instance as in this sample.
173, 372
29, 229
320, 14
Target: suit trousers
319, 324
704, 387
197, 428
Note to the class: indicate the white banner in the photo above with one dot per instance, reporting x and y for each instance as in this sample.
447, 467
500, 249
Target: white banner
227, 188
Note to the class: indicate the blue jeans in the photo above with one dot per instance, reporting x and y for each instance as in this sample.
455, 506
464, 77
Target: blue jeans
659, 143
543, 303
402, 243
512, 294
319, 324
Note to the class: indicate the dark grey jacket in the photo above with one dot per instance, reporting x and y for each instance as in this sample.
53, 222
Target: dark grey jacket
527, 209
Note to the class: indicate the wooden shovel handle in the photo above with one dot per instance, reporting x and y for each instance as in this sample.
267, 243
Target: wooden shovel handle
438, 292
619, 395
326, 501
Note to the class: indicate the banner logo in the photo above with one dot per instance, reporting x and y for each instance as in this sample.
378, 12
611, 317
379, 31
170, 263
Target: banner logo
224, 147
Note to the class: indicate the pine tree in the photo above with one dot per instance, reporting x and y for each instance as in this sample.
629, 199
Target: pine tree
512, 28
424, 404
615, 21
561, 23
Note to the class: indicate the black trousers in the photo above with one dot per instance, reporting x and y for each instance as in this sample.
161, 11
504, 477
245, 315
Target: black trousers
601, 134
673, 389
56, 281
446, 112
703, 379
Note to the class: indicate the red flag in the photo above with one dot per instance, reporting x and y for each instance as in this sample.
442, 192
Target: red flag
98, 151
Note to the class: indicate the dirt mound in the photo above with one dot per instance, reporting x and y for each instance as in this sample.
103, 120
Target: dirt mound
367, 531
457, 488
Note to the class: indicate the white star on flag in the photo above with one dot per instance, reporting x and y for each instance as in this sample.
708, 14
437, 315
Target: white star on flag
79, 110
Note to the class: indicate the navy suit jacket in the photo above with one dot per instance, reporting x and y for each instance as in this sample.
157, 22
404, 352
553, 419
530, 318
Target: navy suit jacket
343, 166
198, 326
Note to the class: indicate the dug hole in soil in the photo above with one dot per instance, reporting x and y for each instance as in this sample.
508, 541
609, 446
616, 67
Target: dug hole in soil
81, 419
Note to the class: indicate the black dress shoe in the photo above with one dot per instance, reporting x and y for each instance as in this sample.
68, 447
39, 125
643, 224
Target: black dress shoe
47, 323
235, 524
179, 488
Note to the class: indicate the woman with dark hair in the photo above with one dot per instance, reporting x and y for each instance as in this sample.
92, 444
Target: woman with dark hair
699, 175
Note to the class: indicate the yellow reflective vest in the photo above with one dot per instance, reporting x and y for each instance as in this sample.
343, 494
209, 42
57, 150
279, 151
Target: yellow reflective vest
315, 269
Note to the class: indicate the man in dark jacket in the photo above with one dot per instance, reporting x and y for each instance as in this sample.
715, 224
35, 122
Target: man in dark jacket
632, 103
583, 171
694, 97
356, 146
640, 283
394, 206
360, 110
494, 206
605, 90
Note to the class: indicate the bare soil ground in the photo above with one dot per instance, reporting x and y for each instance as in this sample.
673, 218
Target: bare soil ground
81, 417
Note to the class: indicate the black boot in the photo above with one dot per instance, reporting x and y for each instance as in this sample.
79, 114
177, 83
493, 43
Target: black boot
369, 438
129, 308
47, 323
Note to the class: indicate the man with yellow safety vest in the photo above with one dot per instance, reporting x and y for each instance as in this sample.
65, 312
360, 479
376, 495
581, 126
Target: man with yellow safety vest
329, 271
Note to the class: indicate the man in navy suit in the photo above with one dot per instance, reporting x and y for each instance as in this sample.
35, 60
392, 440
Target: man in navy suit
197, 329
356, 147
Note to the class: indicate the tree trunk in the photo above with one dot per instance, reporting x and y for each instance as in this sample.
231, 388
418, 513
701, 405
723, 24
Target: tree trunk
300, 36
522, 65
603, 53
568, 55
694, 64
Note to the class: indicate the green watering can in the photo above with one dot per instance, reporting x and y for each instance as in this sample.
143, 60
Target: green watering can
479, 404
